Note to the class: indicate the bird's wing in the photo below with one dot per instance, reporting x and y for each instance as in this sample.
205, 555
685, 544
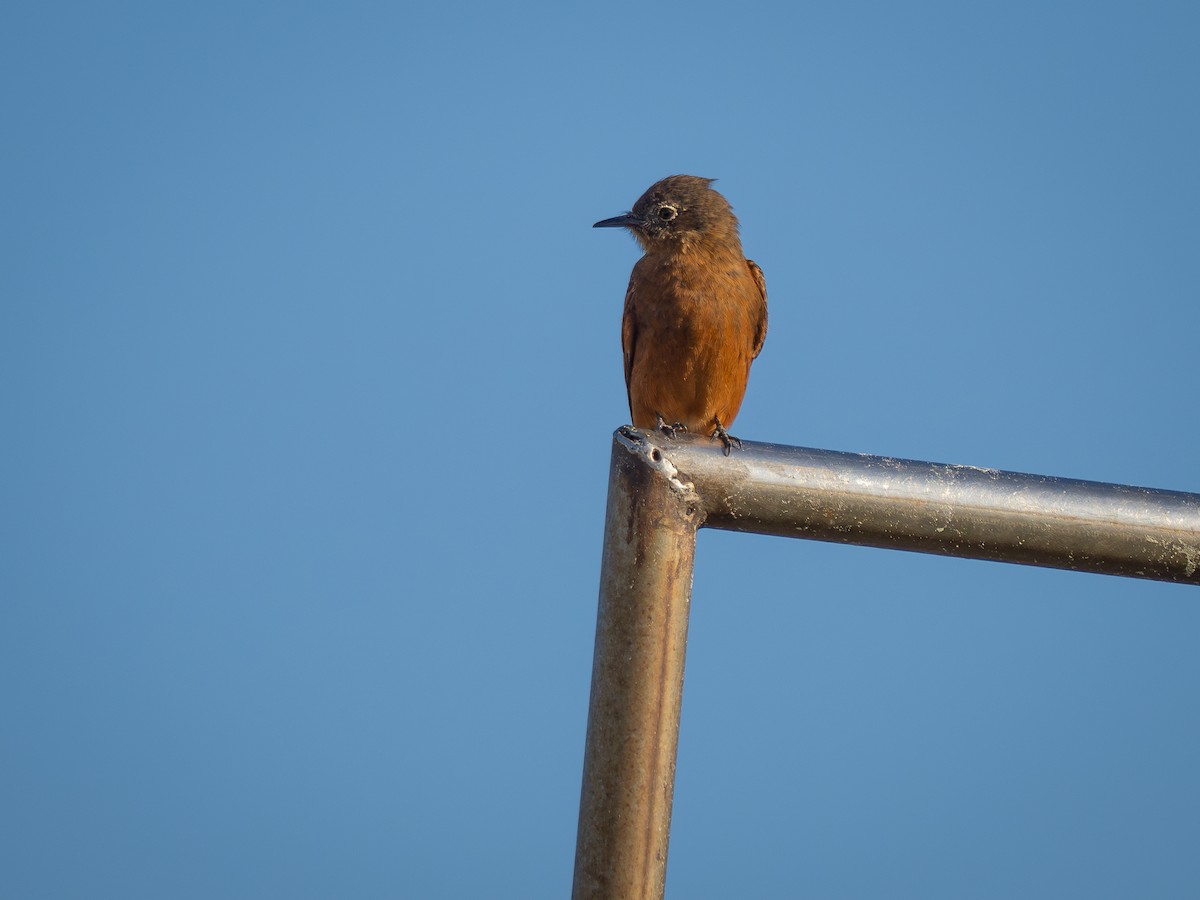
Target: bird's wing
628, 340
760, 329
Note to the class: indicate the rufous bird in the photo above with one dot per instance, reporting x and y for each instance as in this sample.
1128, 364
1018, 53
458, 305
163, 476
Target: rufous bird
695, 310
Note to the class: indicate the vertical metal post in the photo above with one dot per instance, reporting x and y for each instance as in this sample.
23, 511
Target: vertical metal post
637, 677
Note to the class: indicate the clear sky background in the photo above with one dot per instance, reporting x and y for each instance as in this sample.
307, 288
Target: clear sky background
310, 364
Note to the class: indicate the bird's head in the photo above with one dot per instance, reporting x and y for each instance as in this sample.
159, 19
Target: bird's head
679, 210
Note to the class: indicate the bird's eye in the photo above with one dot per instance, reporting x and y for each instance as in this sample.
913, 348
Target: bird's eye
667, 213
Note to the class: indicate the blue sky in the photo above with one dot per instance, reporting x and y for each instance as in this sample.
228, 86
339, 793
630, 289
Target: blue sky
310, 363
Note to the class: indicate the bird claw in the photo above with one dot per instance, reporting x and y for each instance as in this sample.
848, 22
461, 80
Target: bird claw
728, 441
671, 431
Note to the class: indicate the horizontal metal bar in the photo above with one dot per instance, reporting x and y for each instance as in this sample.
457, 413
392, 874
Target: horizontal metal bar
961, 511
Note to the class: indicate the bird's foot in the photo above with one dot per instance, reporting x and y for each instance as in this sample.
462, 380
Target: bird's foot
728, 441
671, 431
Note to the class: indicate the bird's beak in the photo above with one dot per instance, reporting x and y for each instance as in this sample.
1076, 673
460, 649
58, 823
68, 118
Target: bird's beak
628, 220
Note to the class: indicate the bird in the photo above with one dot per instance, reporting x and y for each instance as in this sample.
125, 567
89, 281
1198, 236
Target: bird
695, 311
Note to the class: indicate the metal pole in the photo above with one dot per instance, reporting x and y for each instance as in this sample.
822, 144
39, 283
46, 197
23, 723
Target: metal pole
661, 490
903, 504
637, 678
